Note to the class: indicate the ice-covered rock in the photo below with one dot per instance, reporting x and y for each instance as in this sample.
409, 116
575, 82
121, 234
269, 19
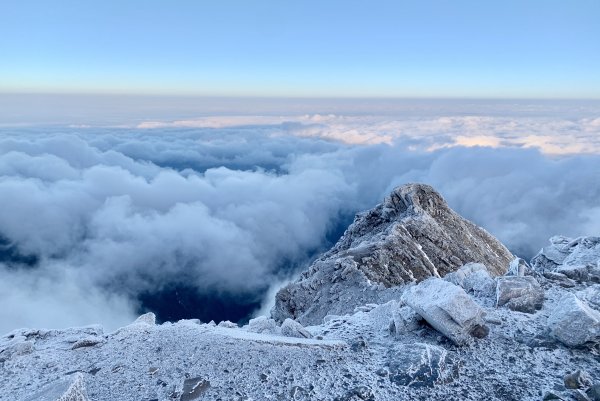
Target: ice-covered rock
522, 294
591, 295
578, 259
404, 320
519, 267
70, 388
147, 318
448, 308
194, 388
262, 324
474, 278
573, 322
292, 328
421, 365
228, 324
560, 279
578, 379
411, 236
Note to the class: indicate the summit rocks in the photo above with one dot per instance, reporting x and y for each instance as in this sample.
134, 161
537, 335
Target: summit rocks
411, 236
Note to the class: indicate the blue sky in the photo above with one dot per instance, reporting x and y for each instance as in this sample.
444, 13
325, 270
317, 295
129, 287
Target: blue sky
504, 49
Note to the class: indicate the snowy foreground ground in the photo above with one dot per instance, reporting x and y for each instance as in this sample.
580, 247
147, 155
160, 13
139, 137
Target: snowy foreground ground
531, 334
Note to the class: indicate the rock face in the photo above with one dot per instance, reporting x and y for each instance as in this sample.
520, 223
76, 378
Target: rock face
447, 308
411, 236
573, 322
522, 294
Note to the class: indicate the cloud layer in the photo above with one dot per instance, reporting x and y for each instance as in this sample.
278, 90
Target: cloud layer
92, 219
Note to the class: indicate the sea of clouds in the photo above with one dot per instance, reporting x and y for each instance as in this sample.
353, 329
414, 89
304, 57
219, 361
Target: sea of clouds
95, 218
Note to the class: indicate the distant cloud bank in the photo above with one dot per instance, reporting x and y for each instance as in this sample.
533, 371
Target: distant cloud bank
92, 217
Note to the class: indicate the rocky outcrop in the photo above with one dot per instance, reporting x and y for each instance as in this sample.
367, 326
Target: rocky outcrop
411, 236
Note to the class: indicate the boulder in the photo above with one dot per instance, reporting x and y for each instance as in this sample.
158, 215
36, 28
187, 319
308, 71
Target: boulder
194, 388
559, 279
69, 388
421, 365
448, 308
519, 267
591, 295
522, 294
262, 324
227, 324
578, 379
578, 259
594, 392
147, 318
573, 322
404, 320
291, 328
474, 278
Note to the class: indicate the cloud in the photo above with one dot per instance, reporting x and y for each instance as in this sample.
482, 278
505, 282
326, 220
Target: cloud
112, 216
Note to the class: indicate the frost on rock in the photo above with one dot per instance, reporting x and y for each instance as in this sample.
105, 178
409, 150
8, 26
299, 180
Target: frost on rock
474, 278
228, 324
421, 365
411, 236
578, 259
519, 267
70, 388
147, 318
292, 328
449, 309
573, 322
262, 324
522, 294
404, 320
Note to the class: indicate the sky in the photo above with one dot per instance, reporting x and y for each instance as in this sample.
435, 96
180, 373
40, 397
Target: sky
434, 48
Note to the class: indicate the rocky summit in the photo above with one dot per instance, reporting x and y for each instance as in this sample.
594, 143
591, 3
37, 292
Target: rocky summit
413, 303
411, 236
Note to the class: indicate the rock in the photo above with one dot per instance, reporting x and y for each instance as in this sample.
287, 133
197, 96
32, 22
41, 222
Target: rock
227, 324
474, 278
411, 236
552, 395
573, 322
591, 295
578, 379
87, 342
193, 388
523, 294
580, 395
519, 267
578, 259
560, 279
291, 328
421, 365
147, 318
448, 308
404, 320
262, 324
69, 388
594, 392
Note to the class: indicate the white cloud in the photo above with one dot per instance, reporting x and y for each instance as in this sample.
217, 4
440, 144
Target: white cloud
235, 206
